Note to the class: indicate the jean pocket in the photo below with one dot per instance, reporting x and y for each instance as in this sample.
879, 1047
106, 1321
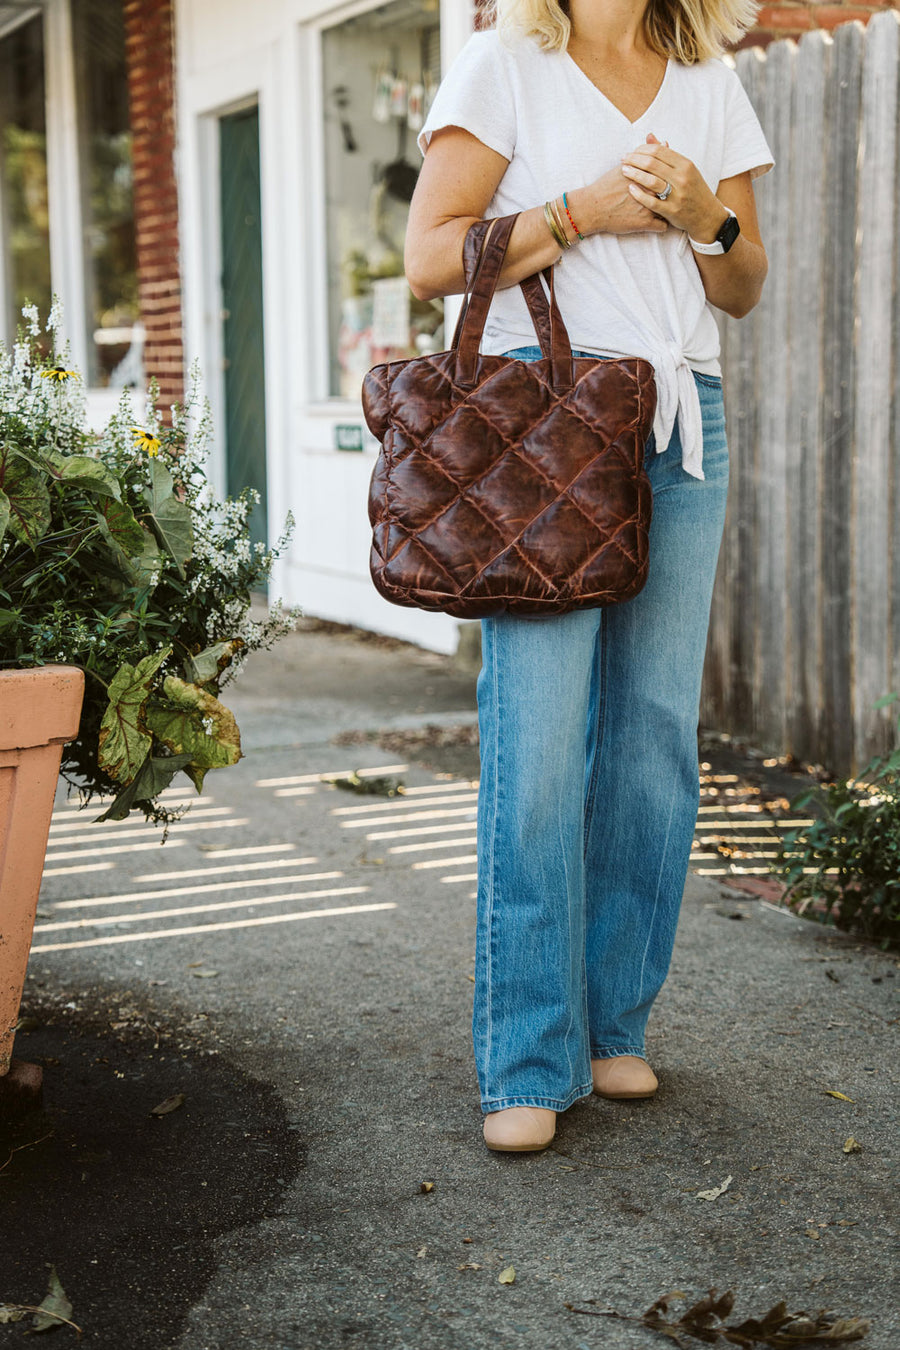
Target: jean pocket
710, 381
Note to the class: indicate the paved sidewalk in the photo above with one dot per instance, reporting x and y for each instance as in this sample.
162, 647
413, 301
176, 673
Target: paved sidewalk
328, 1073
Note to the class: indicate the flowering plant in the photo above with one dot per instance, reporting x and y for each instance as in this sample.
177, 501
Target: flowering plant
117, 556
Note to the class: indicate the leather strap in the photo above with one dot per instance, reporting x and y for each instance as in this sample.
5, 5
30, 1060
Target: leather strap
484, 249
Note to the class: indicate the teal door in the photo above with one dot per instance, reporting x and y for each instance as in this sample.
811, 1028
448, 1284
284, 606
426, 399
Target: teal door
242, 310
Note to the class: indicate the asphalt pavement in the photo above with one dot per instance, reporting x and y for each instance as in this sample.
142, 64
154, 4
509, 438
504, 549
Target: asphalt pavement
292, 971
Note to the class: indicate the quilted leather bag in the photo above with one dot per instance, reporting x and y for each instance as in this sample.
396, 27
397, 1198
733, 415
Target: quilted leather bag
505, 484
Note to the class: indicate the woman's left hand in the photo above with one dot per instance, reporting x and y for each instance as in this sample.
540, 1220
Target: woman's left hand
691, 205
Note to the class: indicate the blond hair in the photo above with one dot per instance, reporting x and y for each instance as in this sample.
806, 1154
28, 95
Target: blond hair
686, 30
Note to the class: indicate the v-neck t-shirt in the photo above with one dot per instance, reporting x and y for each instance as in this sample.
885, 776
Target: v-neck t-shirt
619, 294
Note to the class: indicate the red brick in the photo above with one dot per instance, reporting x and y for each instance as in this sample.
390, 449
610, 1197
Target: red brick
797, 18
829, 16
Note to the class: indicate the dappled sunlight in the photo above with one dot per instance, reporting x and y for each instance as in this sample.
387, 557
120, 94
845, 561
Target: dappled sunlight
211, 927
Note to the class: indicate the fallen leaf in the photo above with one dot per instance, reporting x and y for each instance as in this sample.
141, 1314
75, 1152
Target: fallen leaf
852, 1145
813, 1233
423, 1251
191, 964
716, 1190
841, 1096
778, 1329
507, 1276
471, 977
11, 1312
426, 1186
55, 1308
470, 1265
170, 1104
205, 974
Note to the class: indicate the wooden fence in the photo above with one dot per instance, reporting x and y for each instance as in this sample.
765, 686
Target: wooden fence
805, 629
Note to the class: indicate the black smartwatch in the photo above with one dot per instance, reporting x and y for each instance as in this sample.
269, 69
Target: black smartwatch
728, 232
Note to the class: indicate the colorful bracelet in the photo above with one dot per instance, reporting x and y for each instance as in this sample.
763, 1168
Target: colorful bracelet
571, 221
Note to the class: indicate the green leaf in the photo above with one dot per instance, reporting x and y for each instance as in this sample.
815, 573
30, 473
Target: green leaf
153, 777
169, 517
4, 513
54, 1307
124, 738
192, 722
84, 471
120, 527
208, 665
8, 616
29, 500
885, 701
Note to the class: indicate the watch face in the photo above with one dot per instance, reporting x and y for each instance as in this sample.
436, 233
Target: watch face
729, 232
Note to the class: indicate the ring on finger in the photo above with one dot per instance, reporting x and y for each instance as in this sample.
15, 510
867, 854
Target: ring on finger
666, 192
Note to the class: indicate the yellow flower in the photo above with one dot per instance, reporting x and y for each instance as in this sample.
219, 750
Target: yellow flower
59, 373
146, 440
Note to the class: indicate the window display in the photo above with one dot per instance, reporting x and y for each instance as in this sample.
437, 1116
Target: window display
23, 173
381, 71
111, 294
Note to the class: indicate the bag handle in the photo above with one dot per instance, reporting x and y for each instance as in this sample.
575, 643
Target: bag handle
484, 249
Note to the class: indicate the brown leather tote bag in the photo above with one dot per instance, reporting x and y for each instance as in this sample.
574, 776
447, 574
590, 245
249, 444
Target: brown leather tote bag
504, 484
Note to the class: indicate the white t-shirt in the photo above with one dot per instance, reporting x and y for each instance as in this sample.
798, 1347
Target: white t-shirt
620, 295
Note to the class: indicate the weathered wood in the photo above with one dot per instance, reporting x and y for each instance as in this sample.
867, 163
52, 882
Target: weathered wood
839, 370
804, 261
805, 629
742, 429
877, 226
771, 692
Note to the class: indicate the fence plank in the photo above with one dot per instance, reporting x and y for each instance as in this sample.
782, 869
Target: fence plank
769, 702
804, 261
743, 437
877, 225
839, 368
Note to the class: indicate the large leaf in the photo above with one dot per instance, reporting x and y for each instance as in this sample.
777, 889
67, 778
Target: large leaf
4, 513
169, 518
26, 492
192, 722
124, 738
86, 472
208, 665
153, 777
120, 527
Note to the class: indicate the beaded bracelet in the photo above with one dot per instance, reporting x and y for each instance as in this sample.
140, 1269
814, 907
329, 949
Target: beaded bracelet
571, 221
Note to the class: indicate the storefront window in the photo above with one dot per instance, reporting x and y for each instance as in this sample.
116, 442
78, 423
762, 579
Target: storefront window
25, 220
111, 293
381, 71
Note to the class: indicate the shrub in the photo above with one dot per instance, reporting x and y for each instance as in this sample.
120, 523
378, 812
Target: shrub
849, 858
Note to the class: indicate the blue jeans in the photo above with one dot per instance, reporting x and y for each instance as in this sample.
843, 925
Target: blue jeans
588, 799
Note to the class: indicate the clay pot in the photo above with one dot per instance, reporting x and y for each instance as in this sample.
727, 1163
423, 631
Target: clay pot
39, 712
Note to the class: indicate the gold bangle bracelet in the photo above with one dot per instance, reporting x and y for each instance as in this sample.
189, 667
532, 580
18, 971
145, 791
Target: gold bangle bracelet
557, 216
554, 228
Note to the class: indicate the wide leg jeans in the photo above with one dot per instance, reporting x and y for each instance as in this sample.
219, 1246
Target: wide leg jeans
588, 799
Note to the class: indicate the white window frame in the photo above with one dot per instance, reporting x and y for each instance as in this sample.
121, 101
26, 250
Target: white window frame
67, 260
323, 410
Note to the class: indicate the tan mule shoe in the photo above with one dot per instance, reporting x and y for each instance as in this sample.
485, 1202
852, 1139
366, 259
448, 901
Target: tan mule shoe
517, 1129
623, 1077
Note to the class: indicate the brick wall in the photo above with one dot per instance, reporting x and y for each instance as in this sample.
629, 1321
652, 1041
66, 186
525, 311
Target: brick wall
149, 46
793, 18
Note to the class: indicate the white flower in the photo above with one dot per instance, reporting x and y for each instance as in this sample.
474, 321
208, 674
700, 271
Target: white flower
33, 319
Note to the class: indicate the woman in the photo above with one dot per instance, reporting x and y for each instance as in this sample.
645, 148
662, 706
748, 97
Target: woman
619, 116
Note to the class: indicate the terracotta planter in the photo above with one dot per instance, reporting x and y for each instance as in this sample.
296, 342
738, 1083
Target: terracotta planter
39, 712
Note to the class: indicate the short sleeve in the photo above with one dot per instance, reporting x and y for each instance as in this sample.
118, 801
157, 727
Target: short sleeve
746, 147
476, 94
